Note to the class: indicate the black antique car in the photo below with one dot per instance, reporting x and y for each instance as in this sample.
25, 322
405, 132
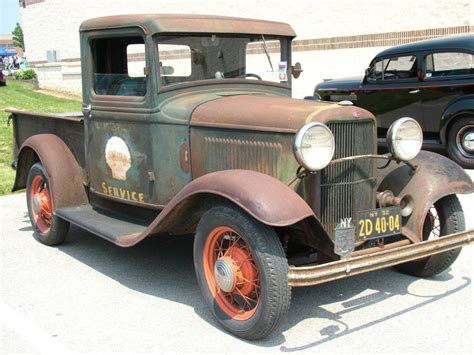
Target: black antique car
431, 81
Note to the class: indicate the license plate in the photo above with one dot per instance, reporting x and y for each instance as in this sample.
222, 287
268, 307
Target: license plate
378, 223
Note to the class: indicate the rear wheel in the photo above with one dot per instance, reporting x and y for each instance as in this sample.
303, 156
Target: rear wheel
48, 228
461, 142
444, 217
242, 272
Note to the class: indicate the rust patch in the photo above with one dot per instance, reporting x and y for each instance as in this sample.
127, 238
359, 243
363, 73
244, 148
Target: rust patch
175, 23
184, 157
270, 113
435, 178
264, 198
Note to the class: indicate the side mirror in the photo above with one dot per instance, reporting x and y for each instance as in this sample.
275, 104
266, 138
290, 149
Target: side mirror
296, 70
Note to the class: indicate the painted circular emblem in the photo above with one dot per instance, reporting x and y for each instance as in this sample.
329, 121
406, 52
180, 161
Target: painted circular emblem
117, 156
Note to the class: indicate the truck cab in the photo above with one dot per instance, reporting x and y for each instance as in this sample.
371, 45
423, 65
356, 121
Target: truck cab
142, 82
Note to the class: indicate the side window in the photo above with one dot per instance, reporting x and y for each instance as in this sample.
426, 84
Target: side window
119, 66
394, 68
448, 64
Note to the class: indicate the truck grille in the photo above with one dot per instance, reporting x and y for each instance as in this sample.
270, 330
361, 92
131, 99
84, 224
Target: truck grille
348, 187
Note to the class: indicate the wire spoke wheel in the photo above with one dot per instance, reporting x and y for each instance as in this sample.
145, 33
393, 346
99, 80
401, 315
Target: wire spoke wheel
444, 217
432, 226
48, 228
40, 200
242, 272
231, 273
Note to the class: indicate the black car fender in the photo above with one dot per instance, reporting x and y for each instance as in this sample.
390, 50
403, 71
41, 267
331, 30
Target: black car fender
434, 178
460, 107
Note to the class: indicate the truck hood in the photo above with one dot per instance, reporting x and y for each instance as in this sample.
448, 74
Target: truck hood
352, 84
270, 113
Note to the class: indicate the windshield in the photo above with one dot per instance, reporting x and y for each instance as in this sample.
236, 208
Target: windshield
219, 57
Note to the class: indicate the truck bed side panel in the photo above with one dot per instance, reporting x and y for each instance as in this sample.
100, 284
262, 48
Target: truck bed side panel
70, 129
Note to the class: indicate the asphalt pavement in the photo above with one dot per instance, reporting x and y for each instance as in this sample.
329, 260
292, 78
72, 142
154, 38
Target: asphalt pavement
88, 295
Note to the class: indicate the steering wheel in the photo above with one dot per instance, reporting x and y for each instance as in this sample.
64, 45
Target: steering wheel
250, 75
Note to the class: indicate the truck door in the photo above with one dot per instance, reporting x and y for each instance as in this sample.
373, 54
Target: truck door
116, 111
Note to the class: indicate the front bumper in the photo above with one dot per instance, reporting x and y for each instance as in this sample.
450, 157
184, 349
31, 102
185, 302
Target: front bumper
314, 275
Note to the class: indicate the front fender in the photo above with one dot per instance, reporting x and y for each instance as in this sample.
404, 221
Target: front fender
435, 177
265, 198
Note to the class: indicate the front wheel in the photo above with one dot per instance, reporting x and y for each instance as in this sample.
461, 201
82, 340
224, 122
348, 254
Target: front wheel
49, 229
444, 217
242, 272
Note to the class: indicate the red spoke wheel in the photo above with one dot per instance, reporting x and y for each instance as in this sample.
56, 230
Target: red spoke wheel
48, 229
231, 273
444, 217
242, 272
40, 200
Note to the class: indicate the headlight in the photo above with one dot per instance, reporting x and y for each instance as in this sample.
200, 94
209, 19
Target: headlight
404, 138
314, 146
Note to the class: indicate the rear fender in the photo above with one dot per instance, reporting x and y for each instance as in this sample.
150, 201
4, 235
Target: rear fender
265, 198
64, 173
462, 107
434, 178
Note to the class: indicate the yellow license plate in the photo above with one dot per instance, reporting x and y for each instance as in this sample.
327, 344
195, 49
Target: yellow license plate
378, 223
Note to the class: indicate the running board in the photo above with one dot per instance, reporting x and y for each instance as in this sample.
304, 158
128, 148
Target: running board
104, 223
317, 274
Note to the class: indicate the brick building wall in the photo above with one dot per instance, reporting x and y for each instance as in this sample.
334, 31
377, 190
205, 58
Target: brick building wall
335, 38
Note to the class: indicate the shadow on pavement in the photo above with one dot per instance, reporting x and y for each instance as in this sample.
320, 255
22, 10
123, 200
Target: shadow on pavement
163, 267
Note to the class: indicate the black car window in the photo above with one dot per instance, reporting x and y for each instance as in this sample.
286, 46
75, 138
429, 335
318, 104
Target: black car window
449, 64
394, 68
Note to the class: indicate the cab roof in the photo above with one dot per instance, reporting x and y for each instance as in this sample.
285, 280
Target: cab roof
176, 23
465, 42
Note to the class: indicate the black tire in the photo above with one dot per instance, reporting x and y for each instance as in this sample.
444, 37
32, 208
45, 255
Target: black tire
460, 154
270, 305
48, 228
449, 213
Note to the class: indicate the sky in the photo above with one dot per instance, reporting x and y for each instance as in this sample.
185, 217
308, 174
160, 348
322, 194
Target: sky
9, 15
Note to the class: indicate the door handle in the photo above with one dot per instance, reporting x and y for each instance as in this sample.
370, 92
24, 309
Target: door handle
86, 110
414, 91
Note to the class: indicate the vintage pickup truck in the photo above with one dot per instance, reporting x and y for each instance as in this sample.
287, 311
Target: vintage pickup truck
188, 126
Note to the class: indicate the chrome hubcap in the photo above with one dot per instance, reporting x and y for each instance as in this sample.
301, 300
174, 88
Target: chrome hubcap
465, 140
468, 141
36, 204
224, 275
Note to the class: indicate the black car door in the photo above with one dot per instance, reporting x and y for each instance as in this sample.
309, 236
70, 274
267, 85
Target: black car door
447, 77
391, 90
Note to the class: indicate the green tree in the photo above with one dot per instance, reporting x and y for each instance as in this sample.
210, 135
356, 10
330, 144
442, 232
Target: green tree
18, 37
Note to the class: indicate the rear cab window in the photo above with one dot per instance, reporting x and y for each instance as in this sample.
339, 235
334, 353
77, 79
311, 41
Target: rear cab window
119, 66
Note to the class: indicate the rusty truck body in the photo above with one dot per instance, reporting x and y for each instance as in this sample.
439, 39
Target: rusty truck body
188, 126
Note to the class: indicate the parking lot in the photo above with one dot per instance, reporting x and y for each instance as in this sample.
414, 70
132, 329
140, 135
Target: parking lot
88, 295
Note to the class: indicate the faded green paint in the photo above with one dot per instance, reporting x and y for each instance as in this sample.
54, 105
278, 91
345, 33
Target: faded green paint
169, 127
